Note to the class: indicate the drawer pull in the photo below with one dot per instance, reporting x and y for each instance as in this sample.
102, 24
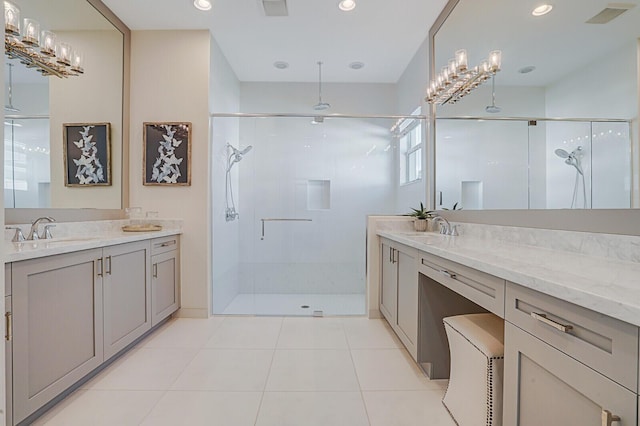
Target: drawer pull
608, 418
543, 318
448, 274
99, 263
9, 326
166, 243
155, 270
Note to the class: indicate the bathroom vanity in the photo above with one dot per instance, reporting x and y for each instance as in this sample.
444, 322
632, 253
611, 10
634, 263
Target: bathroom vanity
75, 303
571, 311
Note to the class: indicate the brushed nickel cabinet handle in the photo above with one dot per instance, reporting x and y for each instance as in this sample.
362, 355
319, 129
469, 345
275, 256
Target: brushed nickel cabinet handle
448, 274
168, 243
608, 418
8, 319
108, 271
99, 263
558, 326
155, 270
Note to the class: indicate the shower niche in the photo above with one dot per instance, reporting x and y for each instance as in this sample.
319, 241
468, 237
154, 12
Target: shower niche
544, 164
318, 194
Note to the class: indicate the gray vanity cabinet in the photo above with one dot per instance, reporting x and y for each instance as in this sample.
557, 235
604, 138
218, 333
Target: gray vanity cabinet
127, 294
389, 285
8, 345
57, 326
545, 386
165, 277
399, 293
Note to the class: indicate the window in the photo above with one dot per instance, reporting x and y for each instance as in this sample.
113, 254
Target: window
410, 142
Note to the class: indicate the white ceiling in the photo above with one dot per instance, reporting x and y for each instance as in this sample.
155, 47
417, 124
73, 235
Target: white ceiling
384, 34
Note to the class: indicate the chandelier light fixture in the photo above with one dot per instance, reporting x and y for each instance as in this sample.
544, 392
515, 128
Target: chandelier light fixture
37, 49
457, 79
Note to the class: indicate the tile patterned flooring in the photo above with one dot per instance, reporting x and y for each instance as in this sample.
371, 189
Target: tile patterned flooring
266, 371
291, 304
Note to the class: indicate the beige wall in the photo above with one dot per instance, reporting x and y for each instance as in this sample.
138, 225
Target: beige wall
94, 97
170, 82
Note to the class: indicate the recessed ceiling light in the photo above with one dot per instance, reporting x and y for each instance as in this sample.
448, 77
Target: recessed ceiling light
527, 69
202, 4
281, 65
347, 5
543, 9
356, 65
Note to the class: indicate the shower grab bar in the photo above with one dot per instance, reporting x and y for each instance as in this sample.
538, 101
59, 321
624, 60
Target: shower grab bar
280, 220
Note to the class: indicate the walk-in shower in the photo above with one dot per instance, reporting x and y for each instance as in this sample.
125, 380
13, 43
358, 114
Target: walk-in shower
234, 157
304, 193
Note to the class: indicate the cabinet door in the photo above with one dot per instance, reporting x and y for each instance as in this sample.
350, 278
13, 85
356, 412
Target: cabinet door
57, 326
127, 295
389, 285
8, 351
408, 299
544, 386
165, 291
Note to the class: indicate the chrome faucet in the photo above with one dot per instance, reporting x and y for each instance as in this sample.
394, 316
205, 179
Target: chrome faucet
33, 232
446, 228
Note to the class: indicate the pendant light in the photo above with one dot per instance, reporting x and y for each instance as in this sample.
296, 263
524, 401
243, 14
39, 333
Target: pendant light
320, 106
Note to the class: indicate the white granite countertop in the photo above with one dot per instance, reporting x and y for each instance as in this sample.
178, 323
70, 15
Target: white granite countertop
605, 285
104, 237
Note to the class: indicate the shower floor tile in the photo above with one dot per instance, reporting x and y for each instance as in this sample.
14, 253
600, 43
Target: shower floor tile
291, 304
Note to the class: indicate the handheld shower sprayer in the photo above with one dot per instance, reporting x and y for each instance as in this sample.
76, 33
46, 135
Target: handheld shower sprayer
574, 158
234, 157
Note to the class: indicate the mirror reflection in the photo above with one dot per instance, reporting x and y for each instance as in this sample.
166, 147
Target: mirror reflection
37, 107
555, 128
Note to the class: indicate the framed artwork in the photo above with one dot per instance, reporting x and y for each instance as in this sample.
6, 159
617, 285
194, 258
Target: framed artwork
87, 154
167, 154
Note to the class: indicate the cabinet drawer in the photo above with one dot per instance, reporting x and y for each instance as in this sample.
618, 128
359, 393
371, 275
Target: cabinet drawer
544, 386
482, 289
165, 244
603, 343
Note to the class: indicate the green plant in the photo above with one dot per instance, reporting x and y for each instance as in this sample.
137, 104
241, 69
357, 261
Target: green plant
421, 213
455, 207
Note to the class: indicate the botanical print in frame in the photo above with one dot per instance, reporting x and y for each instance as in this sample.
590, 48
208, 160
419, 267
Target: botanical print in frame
87, 154
167, 153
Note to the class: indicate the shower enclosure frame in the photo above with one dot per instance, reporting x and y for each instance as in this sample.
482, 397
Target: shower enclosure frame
318, 118
431, 142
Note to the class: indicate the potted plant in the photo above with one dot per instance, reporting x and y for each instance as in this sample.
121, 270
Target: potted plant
421, 217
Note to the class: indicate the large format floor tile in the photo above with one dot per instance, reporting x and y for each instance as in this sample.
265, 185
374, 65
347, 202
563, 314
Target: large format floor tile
183, 333
389, 369
312, 333
406, 408
102, 408
363, 333
227, 370
145, 369
312, 370
312, 409
246, 333
206, 409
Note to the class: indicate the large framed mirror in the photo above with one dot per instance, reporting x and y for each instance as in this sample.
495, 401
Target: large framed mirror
557, 126
37, 107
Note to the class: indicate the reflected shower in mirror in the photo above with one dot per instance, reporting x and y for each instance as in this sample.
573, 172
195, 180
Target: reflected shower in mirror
576, 78
517, 164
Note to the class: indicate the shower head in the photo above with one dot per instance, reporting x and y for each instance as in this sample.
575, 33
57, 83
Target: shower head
493, 109
236, 155
561, 153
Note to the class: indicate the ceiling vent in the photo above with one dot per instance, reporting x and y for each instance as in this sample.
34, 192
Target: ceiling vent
275, 7
612, 11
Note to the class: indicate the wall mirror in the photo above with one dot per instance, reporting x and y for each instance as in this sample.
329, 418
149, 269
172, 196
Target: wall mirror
37, 107
557, 126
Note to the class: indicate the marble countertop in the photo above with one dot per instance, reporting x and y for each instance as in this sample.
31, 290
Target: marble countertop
605, 285
15, 252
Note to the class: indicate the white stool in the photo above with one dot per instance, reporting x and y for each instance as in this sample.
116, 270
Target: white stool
476, 345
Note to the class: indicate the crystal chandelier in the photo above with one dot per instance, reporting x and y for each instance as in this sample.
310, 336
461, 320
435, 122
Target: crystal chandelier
37, 49
457, 80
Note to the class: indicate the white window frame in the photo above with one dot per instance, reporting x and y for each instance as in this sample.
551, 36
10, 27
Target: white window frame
408, 131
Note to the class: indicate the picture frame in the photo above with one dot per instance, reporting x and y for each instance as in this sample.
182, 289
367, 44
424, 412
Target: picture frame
87, 154
166, 154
